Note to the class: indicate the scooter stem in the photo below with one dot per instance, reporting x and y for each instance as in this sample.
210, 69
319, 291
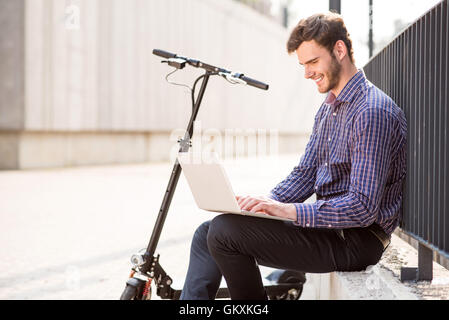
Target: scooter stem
184, 147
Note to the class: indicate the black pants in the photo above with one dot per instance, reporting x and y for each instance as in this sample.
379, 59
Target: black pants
234, 246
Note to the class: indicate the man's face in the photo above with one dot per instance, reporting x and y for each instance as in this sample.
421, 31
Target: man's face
320, 65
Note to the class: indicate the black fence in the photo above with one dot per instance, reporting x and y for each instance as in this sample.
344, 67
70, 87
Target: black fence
414, 70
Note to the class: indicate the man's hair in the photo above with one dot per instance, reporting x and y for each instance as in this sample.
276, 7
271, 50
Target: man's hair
325, 28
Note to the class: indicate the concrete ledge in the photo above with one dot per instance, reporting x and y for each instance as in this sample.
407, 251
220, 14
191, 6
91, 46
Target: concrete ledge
381, 282
438, 256
374, 284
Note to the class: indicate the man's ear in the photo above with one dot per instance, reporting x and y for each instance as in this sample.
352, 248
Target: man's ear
340, 50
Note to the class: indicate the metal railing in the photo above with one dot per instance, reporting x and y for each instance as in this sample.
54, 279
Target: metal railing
414, 71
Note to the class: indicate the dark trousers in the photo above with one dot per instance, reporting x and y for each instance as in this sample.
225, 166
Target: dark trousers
233, 246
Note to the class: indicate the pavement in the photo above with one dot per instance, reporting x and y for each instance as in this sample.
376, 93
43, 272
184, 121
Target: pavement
69, 233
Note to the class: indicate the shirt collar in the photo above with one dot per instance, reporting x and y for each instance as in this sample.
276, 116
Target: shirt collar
348, 91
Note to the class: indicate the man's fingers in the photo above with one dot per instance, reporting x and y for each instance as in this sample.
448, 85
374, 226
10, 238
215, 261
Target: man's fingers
248, 206
256, 208
260, 207
238, 198
247, 203
244, 202
241, 199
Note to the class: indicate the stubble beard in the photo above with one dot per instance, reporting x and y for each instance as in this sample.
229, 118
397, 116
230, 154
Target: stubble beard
333, 75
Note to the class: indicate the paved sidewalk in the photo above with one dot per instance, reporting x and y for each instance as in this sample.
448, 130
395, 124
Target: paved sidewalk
69, 233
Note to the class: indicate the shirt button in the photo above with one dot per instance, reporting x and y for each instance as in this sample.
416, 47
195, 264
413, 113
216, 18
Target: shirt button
334, 114
329, 225
316, 188
325, 164
307, 224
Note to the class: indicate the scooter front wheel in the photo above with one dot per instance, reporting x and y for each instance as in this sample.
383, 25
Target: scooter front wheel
130, 293
133, 290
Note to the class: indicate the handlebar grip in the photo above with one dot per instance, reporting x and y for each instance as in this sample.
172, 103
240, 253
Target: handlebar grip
255, 83
164, 54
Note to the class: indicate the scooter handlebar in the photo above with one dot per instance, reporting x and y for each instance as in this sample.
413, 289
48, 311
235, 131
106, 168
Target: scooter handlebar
164, 54
196, 63
255, 83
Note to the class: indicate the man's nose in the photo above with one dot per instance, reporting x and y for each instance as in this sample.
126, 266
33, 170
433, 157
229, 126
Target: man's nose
308, 73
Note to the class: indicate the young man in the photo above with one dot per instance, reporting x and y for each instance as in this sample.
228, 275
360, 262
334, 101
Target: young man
355, 163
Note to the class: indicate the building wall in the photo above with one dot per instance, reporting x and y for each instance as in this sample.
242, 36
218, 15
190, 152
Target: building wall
86, 70
12, 71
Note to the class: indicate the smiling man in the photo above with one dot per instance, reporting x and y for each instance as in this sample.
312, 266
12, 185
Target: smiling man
355, 163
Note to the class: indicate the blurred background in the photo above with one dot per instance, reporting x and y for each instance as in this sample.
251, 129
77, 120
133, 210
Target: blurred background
79, 84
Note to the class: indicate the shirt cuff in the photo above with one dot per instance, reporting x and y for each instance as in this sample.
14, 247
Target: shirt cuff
305, 215
273, 196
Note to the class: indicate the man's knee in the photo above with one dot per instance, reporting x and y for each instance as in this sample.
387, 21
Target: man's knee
200, 236
223, 230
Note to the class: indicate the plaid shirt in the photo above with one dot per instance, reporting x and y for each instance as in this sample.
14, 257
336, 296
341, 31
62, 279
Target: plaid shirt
355, 162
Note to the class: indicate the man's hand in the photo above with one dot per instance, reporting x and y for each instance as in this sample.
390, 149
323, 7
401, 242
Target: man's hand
264, 204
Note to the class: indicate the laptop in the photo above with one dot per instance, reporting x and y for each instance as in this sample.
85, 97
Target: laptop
210, 185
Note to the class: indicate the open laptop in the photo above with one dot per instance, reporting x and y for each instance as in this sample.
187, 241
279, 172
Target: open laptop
210, 185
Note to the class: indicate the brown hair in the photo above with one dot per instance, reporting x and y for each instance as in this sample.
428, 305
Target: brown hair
325, 28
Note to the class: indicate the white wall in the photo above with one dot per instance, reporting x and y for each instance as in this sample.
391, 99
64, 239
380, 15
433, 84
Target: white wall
104, 76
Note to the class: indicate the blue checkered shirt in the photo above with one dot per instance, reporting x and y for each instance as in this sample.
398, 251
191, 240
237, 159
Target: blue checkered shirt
355, 162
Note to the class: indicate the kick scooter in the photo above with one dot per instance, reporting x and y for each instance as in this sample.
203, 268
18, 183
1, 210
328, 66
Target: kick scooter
146, 266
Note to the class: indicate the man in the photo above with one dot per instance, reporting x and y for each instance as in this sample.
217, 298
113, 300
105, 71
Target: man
355, 163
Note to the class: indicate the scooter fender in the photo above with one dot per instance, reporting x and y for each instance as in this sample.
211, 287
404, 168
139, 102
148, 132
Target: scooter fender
137, 283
